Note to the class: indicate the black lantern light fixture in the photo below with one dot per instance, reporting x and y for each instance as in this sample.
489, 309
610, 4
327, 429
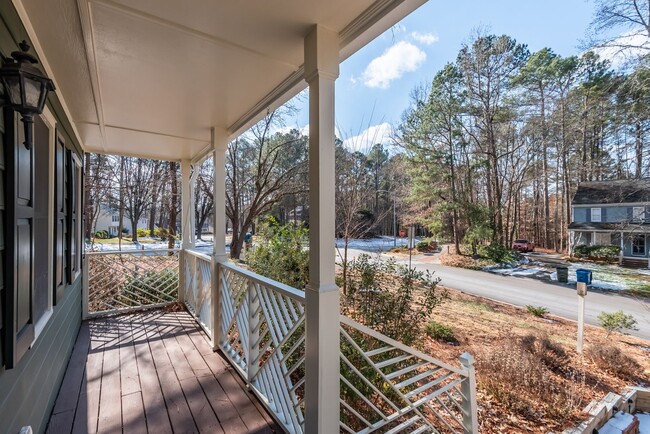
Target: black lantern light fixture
26, 87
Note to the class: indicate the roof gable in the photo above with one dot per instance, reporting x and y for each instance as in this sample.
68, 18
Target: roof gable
612, 192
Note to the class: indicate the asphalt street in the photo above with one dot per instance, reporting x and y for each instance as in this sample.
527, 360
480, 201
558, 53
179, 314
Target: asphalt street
560, 300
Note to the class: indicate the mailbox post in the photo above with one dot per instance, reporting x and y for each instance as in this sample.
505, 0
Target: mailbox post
584, 278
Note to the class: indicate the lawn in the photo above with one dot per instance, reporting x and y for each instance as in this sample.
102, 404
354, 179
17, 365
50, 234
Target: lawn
530, 378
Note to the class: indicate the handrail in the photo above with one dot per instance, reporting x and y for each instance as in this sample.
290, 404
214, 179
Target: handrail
287, 290
130, 252
198, 254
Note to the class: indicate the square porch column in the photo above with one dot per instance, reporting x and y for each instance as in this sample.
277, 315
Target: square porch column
321, 294
188, 180
219, 138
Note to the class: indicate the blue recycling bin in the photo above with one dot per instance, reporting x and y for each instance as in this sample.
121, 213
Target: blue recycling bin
583, 276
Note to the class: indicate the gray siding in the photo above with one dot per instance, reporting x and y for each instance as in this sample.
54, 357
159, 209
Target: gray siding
579, 214
29, 390
608, 214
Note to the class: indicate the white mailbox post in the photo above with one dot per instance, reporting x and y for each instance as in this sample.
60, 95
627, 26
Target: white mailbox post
582, 292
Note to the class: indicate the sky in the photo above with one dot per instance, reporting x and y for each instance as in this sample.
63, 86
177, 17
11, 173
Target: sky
375, 84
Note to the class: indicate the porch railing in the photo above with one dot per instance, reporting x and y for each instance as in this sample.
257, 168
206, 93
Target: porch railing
386, 386
129, 280
197, 287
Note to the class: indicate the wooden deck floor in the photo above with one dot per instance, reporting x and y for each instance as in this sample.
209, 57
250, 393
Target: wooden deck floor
152, 372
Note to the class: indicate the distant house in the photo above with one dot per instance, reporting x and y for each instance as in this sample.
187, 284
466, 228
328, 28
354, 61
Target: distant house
108, 220
613, 213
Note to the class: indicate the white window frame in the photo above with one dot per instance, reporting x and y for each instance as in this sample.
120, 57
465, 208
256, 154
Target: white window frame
638, 213
39, 326
600, 215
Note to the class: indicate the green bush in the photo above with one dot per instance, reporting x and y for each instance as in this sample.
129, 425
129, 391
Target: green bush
279, 253
440, 332
499, 253
160, 233
142, 232
422, 245
102, 235
617, 321
607, 252
538, 311
389, 297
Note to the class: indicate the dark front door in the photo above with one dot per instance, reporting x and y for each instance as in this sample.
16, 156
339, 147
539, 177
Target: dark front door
638, 245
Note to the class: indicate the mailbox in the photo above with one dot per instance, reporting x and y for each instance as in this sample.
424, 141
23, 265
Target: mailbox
583, 276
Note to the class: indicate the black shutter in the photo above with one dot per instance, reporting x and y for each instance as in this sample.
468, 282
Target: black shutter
19, 235
60, 223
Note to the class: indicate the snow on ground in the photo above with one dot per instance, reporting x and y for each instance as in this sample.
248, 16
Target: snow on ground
377, 244
644, 423
517, 271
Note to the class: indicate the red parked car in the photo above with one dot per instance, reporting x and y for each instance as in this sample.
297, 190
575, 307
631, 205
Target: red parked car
523, 246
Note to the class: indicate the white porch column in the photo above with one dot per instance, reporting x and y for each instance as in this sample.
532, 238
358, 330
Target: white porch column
322, 294
187, 205
219, 146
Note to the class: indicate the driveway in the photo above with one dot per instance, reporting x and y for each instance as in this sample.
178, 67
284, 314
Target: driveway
558, 299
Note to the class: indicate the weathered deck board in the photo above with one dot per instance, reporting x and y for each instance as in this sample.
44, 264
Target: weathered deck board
152, 372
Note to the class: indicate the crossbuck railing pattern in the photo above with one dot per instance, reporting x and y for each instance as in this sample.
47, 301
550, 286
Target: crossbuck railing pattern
197, 287
263, 336
388, 387
128, 280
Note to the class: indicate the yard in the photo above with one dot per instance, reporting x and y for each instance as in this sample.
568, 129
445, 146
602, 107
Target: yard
530, 378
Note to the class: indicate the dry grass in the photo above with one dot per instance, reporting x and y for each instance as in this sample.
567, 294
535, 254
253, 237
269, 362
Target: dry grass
530, 378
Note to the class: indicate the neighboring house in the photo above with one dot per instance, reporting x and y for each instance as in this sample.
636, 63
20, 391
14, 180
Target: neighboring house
109, 220
613, 213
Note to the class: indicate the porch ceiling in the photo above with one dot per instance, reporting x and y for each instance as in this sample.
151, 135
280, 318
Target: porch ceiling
150, 77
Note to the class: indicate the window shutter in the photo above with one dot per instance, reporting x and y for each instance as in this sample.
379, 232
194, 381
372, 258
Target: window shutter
19, 238
60, 224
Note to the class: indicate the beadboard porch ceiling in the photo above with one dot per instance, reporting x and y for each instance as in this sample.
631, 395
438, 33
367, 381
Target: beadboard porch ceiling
150, 77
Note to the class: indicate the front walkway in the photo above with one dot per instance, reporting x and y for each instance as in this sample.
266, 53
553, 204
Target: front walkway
152, 372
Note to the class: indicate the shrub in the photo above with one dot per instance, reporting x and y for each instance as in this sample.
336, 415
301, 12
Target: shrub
538, 311
612, 359
607, 252
101, 234
160, 233
389, 297
279, 253
422, 246
499, 253
517, 375
440, 332
616, 321
142, 232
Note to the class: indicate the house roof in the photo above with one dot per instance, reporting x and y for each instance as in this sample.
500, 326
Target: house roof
613, 192
150, 78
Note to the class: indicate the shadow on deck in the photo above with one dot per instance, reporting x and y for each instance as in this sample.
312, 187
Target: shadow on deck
152, 372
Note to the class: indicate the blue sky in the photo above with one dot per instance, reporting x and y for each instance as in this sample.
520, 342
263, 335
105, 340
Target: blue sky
375, 83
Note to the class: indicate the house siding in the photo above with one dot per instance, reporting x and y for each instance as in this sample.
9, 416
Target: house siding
28, 391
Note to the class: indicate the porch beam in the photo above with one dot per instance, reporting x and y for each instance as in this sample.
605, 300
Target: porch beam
321, 294
187, 204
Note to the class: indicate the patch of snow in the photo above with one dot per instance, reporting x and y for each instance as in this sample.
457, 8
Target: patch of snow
644, 423
377, 244
518, 271
617, 424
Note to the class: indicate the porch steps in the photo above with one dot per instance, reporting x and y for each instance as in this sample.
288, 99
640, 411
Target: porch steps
634, 262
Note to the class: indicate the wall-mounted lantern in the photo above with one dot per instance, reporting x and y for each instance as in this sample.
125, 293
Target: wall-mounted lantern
25, 86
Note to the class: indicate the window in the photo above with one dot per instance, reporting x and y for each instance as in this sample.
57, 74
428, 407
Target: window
602, 238
595, 215
638, 245
638, 213
115, 218
73, 204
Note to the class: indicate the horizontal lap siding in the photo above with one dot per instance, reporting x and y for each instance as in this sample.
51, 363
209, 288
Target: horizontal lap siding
29, 390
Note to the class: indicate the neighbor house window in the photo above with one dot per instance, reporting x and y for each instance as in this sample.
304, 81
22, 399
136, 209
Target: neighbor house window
638, 213
638, 245
595, 214
602, 238
115, 218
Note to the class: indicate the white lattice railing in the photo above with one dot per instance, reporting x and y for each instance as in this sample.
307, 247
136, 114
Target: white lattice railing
387, 387
197, 287
129, 280
263, 335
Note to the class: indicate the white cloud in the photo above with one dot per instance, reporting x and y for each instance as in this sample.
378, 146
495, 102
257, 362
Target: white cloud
374, 134
399, 59
425, 38
625, 48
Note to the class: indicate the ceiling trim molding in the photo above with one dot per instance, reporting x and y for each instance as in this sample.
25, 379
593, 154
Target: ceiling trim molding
118, 7
155, 133
85, 16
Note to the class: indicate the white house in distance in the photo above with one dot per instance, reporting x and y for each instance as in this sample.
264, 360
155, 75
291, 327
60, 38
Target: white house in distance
109, 220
